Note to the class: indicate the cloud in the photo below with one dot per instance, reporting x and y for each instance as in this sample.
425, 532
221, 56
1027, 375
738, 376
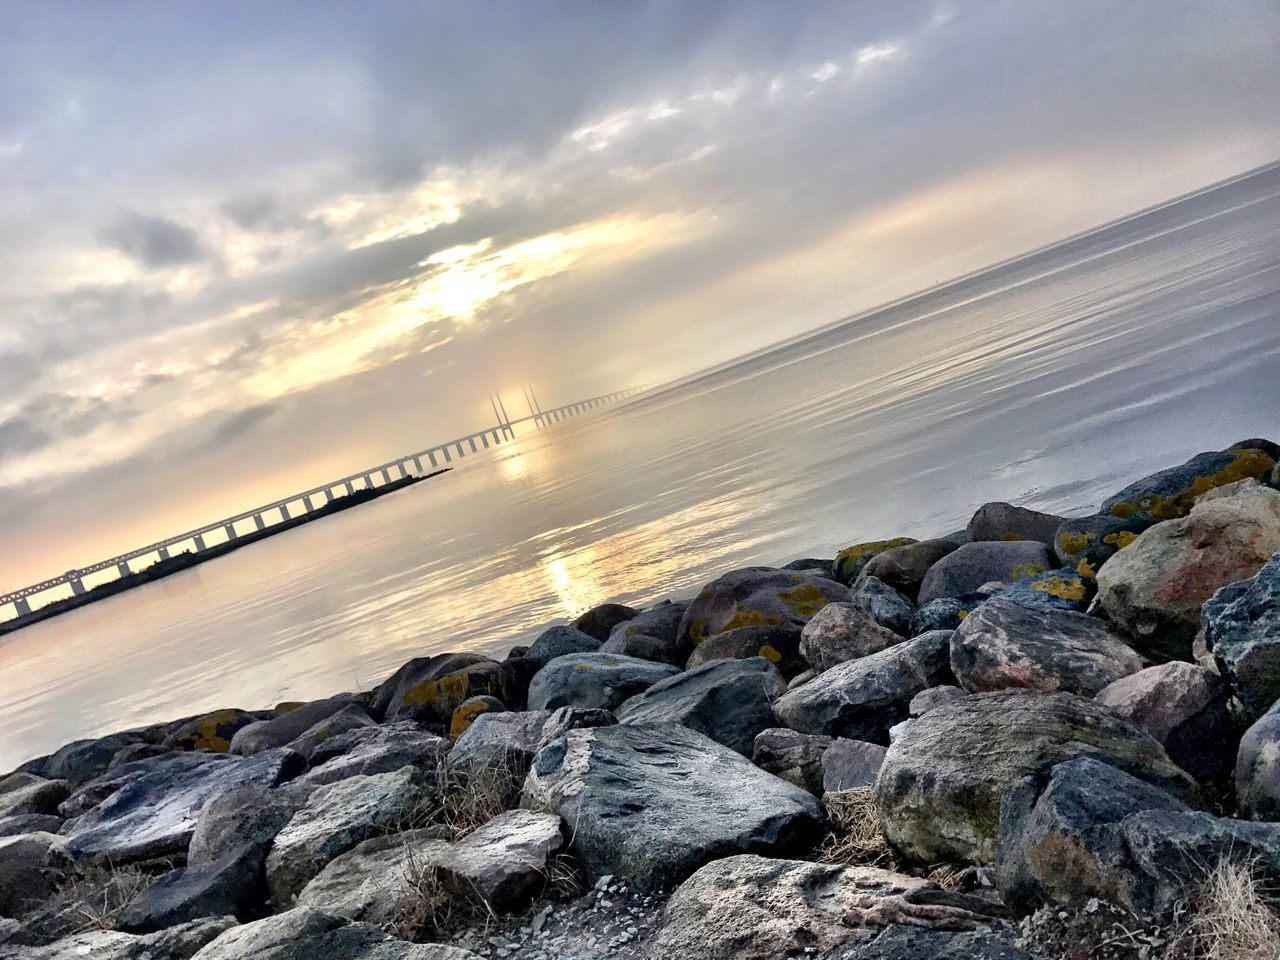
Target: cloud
241, 422
155, 242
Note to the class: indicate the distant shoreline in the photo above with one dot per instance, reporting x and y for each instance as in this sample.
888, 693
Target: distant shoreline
188, 559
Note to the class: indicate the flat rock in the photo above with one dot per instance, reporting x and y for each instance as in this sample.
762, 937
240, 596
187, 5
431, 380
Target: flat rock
1154, 588
903, 567
861, 699
378, 749
942, 781
593, 680
1257, 768
249, 815
282, 729
1240, 627
505, 861
32, 867
756, 908
889, 608
1172, 493
335, 818
1183, 706
757, 595
230, 885
850, 764
653, 635
729, 701
1004, 521
652, 804
840, 632
850, 561
1005, 645
777, 643
599, 621
795, 757
915, 943
968, 567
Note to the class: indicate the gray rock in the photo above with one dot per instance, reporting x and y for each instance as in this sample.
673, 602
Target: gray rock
136, 751
915, 943
1171, 493
1004, 521
1240, 626
505, 861
968, 567
1060, 589
851, 561
927, 700
778, 643
522, 664
755, 596
1085, 543
155, 816
351, 717
1257, 770
281, 730
500, 741
945, 613
176, 943
465, 714
795, 757
1185, 707
210, 731
29, 823
230, 885
889, 608
862, 699
336, 818
729, 701
850, 764
756, 908
564, 719
652, 804
1004, 645
33, 795
903, 568
593, 680
653, 635
32, 867
942, 781
429, 689
840, 632
377, 749
249, 815
81, 760
93, 792
599, 621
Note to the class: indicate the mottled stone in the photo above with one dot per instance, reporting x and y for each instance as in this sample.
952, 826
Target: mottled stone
1240, 627
523, 663
1171, 493
378, 749
840, 632
779, 644
653, 635
934, 697
288, 726
504, 862
968, 567
599, 622
1004, 521
374, 881
593, 680
945, 613
32, 867
210, 731
850, 561
795, 757
887, 606
755, 596
850, 764
904, 567
1257, 769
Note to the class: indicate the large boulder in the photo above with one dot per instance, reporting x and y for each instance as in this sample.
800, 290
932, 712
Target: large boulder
504, 863
942, 781
249, 815
861, 699
1060, 589
1155, 587
777, 643
352, 717
653, 635
210, 731
756, 908
904, 567
1004, 521
945, 613
851, 765
30, 823
888, 607
500, 742
843, 631
282, 729
757, 595
652, 804
1257, 769
522, 663
968, 567
1185, 707
377, 749
376, 881
599, 621
230, 885
82, 760
1240, 626
335, 818
850, 561
795, 757
593, 680
1084, 544
1004, 645
32, 867
729, 701
429, 689
155, 815
1172, 493
25, 793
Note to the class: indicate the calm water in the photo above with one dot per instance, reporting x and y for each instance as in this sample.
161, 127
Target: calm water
1048, 381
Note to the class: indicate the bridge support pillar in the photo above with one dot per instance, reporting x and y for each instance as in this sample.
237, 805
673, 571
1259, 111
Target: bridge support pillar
484, 440
230, 529
417, 462
403, 472
122, 568
386, 477
199, 543
306, 502
368, 481
284, 511
164, 553
22, 606
77, 586
471, 441
328, 496
259, 522
431, 455
447, 457
350, 488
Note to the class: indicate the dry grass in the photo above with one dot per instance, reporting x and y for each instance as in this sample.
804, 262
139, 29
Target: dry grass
103, 894
1232, 916
948, 876
461, 803
854, 835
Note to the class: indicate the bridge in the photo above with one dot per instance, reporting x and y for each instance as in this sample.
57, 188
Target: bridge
302, 503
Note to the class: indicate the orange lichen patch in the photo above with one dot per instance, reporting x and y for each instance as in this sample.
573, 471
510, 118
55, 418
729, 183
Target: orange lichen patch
751, 618
1024, 570
962, 614
1120, 539
465, 715
213, 731
805, 599
1245, 464
1008, 537
1086, 569
1070, 541
697, 631
769, 653
445, 692
1061, 587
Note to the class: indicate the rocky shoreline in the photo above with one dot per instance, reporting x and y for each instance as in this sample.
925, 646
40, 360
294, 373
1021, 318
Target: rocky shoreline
1039, 737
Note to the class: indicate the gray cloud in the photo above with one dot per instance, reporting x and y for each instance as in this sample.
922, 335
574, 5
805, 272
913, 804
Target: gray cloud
155, 242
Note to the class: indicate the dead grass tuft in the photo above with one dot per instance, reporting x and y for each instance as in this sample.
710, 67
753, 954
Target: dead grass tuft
99, 898
854, 835
1231, 916
461, 803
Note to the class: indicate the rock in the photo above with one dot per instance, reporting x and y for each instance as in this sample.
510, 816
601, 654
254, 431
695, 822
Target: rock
516, 672
795, 757
861, 699
155, 815
1269, 447
968, 567
211, 731
934, 697
903, 568
1185, 708
467, 712
850, 561
564, 719
1240, 626
1084, 544
1171, 494
593, 680
500, 741
176, 943
93, 792
779, 644
850, 764
81, 760
1257, 770
800, 679
653, 635
1154, 589
336, 818
351, 717
1004, 521
136, 751
429, 689
505, 861
945, 613
754, 596
598, 622
1061, 589
755, 908
840, 632
887, 606
306, 934
377, 749
904, 942
375, 881
940, 787
819, 565
32, 867
283, 729
1004, 645
652, 804
729, 701
29, 823
229, 885
31, 794
247, 816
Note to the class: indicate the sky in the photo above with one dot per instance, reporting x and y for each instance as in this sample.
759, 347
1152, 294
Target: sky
247, 248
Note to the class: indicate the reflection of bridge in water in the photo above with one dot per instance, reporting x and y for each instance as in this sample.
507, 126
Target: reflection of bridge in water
301, 504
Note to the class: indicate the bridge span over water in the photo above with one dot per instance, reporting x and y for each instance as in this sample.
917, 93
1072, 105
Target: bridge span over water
300, 504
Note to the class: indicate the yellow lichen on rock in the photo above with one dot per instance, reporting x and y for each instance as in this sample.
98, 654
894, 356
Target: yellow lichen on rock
1120, 539
1024, 570
447, 691
805, 599
769, 653
465, 715
1009, 537
750, 618
1070, 541
1061, 587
